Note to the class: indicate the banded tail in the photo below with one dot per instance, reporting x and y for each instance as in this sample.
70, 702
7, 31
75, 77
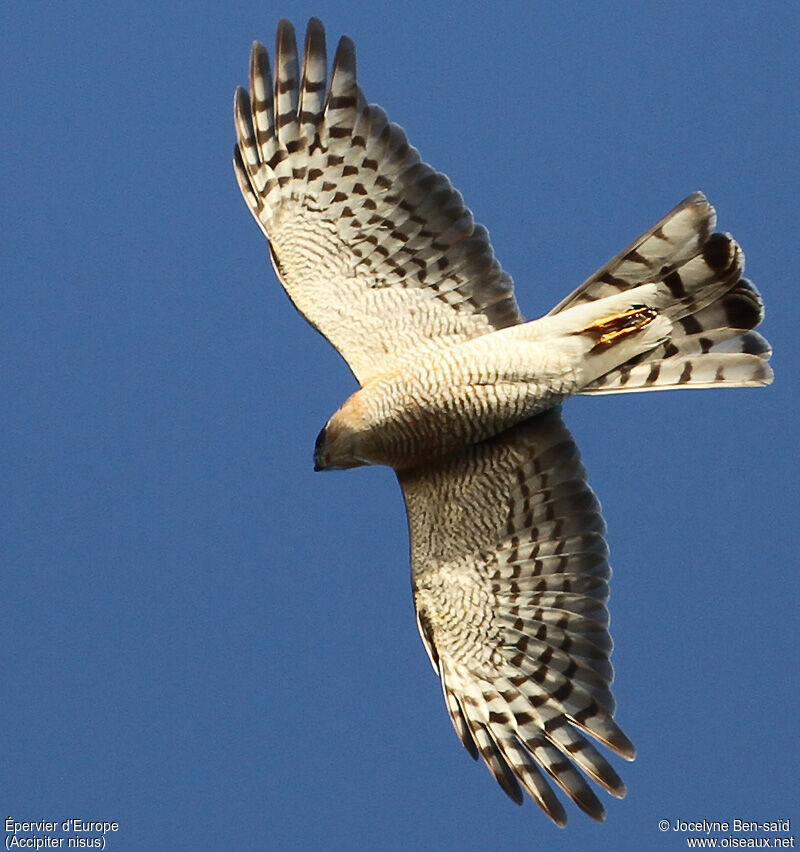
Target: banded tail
699, 288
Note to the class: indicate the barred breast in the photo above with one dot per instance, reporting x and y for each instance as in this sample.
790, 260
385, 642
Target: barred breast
461, 396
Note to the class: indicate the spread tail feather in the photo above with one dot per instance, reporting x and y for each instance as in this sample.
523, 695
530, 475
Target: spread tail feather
692, 277
711, 348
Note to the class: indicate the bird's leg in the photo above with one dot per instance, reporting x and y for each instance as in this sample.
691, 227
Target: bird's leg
608, 330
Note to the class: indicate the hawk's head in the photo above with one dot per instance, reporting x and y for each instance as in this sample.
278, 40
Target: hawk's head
338, 447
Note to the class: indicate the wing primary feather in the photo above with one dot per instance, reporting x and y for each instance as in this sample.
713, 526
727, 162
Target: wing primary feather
459, 720
287, 77
313, 83
343, 79
563, 773
262, 103
243, 179
495, 762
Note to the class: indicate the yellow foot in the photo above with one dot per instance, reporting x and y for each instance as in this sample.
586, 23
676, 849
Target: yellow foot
609, 329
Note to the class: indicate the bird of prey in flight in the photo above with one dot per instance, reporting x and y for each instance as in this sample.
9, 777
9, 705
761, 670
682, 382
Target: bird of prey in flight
460, 395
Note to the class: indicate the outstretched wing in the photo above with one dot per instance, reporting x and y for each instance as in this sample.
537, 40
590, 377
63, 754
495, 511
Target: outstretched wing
374, 247
510, 583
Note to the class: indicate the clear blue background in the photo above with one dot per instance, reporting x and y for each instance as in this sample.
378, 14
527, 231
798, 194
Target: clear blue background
212, 645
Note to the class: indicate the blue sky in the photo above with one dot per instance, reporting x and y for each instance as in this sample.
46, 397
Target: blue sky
214, 646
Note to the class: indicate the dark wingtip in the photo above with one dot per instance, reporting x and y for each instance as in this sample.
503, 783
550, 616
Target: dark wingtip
623, 746
315, 36
260, 69
557, 813
513, 793
242, 116
241, 100
240, 97
345, 58
314, 46
285, 30
618, 790
285, 42
238, 162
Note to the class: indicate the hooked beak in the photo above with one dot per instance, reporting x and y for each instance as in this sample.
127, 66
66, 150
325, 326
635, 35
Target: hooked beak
318, 451
323, 459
